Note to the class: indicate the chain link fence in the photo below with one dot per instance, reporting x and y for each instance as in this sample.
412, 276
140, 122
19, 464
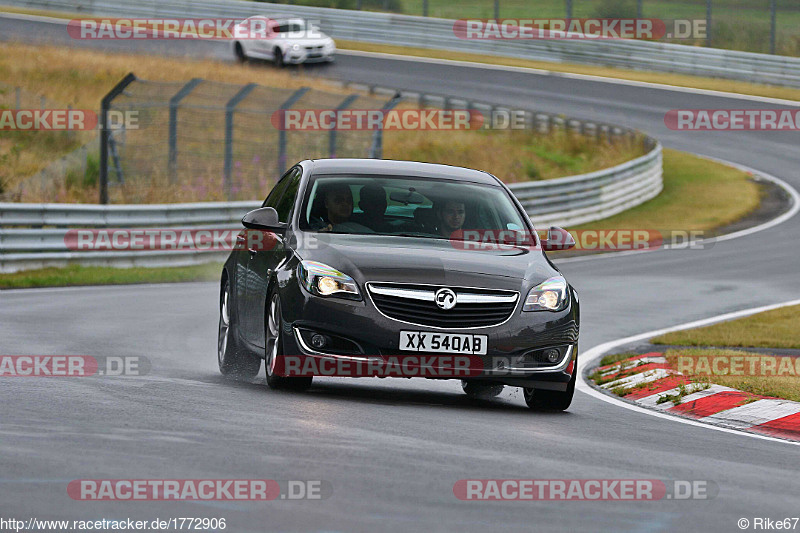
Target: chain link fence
207, 140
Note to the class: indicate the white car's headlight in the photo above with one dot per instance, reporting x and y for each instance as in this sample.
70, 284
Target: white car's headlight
322, 280
549, 295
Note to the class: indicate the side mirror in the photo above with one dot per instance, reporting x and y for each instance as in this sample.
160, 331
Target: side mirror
265, 219
558, 239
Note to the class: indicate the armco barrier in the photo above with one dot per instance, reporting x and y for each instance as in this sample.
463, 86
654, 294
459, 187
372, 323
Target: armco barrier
424, 32
24, 244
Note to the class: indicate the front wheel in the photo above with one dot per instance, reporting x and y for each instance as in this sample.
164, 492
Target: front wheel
551, 400
240, 54
274, 350
277, 57
232, 360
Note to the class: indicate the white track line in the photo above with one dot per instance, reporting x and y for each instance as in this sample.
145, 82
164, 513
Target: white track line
589, 357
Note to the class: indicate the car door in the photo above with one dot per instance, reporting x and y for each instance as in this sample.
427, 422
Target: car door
263, 260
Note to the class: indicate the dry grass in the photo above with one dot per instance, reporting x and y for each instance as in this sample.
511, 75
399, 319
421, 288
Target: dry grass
511, 155
772, 329
81, 78
769, 384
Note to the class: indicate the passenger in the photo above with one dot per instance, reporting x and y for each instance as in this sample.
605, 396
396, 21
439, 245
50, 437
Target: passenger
450, 215
373, 203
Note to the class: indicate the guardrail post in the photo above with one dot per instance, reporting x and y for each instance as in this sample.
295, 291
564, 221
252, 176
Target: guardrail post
230, 107
282, 132
105, 104
173, 124
332, 140
376, 150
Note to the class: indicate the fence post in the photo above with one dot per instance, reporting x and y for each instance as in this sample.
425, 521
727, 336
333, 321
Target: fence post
230, 107
496, 9
105, 103
376, 150
424, 8
772, 37
332, 139
282, 132
569, 9
18, 97
708, 23
173, 124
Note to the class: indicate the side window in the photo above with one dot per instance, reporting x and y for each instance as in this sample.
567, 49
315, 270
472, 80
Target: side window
286, 203
277, 192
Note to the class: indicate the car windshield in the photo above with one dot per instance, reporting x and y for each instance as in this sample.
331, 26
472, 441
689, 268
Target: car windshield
291, 27
409, 207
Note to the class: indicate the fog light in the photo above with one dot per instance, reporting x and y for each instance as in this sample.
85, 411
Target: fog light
318, 341
552, 355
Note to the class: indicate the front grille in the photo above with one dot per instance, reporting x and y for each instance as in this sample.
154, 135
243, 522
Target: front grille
415, 304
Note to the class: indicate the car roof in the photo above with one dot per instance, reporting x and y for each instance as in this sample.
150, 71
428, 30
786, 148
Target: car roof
389, 167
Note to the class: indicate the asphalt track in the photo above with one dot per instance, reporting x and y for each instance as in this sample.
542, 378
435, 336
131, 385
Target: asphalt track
392, 449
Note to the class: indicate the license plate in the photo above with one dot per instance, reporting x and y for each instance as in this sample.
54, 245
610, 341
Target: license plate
425, 341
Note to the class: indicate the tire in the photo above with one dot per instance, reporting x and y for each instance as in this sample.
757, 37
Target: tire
481, 391
238, 49
277, 57
551, 400
273, 337
232, 359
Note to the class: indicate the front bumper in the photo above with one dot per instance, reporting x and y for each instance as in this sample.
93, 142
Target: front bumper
296, 57
507, 361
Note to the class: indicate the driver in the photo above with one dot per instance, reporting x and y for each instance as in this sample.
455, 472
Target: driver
338, 204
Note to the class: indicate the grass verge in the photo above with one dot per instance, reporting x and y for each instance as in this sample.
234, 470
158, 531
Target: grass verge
773, 384
775, 377
88, 275
771, 329
698, 195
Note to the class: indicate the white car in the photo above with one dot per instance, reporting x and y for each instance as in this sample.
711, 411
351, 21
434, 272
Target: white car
283, 41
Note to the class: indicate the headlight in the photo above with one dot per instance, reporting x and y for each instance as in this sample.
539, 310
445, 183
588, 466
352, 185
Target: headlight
322, 280
295, 47
549, 295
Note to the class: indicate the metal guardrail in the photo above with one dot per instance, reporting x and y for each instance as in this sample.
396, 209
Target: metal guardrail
563, 201
425, 32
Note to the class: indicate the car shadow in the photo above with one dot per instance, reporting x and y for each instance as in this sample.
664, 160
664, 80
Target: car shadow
363, 392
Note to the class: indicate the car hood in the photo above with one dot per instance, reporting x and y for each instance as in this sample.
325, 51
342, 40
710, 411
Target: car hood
428, 261
320, 40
